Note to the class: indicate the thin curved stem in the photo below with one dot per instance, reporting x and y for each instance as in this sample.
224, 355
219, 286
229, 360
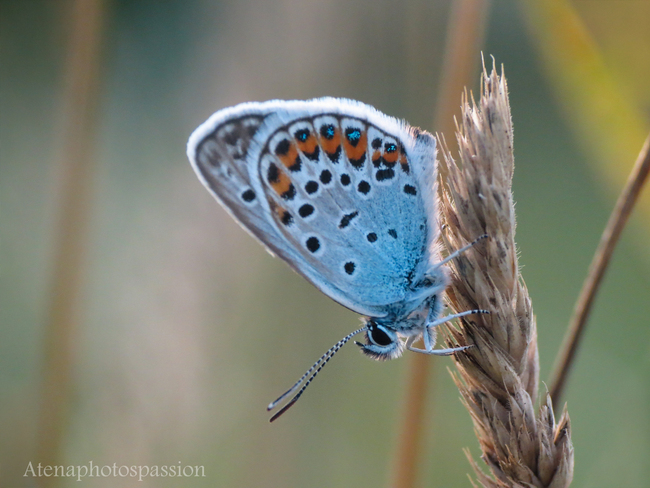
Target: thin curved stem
608, 241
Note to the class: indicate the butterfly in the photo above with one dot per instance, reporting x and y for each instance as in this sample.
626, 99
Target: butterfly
346, 195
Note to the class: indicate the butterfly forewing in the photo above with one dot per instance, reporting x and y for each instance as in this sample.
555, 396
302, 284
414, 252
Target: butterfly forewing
332, 187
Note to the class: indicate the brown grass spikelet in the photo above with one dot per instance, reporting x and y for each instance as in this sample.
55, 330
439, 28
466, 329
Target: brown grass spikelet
499, 377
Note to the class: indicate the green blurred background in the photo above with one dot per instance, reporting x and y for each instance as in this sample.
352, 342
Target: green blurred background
188, 328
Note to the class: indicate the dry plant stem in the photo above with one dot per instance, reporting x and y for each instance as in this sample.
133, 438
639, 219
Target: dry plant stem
79, 108
465, 35
408, 454
498, 377
601, 259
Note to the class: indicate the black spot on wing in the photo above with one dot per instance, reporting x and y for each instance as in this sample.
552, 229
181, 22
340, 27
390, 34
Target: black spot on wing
273, 174
286, 218
313, 244
306, 210
325, 176
232, 136
385, 174
358, 163
290, 193
283, 147
248, 196
313, 156
346, 219
334, 157
410, 190
296, 166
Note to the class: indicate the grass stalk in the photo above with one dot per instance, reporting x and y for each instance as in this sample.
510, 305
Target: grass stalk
602, 256
498, 377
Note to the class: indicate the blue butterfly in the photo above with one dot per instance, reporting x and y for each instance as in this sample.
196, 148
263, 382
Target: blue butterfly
347, 197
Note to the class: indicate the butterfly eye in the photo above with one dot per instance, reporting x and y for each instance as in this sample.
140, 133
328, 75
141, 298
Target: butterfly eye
382, 343
378, 336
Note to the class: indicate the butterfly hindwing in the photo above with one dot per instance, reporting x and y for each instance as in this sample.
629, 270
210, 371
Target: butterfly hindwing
340, 191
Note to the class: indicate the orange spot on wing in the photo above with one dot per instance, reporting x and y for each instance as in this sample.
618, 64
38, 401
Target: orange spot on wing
375, 156
391, 157
309, 146
282, 183
289, 158
356, 152
331, 145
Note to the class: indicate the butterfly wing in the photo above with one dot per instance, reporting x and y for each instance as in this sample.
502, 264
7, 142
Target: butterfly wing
343, 193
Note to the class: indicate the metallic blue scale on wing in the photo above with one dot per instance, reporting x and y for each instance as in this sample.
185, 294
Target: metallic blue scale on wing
354, 136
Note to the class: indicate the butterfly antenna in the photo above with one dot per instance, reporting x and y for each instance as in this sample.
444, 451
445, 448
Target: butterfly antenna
313, 371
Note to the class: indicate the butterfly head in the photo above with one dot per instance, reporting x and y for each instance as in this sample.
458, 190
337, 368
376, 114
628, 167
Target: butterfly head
382, 342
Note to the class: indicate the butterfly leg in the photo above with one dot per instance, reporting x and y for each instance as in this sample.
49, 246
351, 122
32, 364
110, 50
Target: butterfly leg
429, 343
430, 335
460, 251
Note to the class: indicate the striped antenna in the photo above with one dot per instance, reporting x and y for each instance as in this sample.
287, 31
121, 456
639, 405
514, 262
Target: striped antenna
309, 375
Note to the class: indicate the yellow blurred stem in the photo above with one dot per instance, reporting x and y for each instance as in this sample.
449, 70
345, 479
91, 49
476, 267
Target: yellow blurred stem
606, 120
